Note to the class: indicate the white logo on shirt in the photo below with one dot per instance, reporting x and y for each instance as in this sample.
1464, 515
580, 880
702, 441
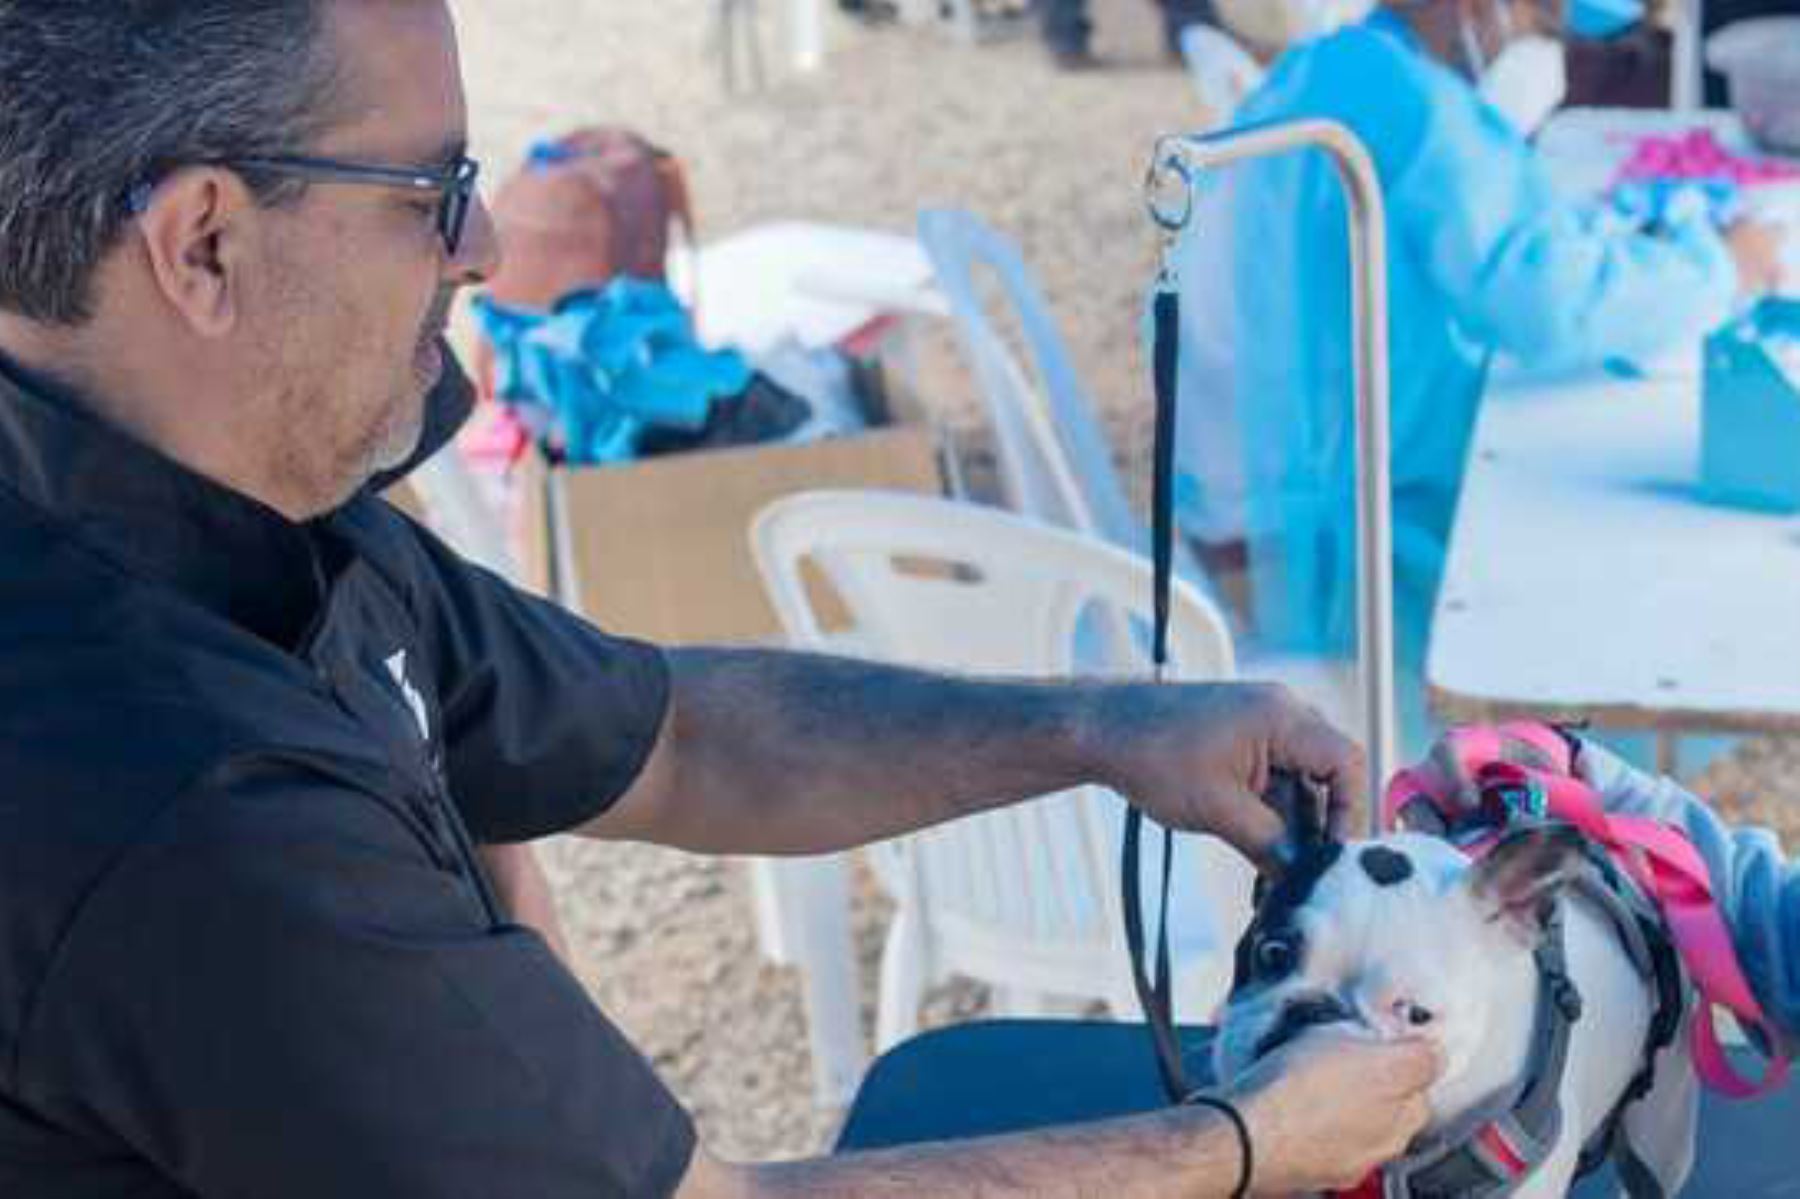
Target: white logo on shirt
397, 667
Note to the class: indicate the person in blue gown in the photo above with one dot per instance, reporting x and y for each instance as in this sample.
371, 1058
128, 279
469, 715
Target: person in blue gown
1484, 257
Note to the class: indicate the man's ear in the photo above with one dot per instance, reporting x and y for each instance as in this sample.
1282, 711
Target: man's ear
1513, 885
192, 230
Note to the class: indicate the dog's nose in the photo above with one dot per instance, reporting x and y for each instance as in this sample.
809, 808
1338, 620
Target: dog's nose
1308, 1011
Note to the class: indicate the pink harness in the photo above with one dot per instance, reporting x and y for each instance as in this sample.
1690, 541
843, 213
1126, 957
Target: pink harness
1493, 774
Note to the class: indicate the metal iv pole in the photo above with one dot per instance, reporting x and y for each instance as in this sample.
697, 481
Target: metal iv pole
1169, 192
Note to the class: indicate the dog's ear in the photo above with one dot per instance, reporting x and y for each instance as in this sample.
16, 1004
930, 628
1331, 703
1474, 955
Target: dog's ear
1514, 885
1301, 805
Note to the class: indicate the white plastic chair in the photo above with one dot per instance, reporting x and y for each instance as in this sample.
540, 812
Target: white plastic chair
1222, 70
737, 29
1026, 898
1055, 462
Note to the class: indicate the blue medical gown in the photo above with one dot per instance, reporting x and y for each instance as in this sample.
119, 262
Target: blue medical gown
1484, 255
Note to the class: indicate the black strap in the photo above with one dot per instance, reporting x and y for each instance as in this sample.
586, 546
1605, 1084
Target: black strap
1155, 993
1459, 1167
1246, 1150
1167, 357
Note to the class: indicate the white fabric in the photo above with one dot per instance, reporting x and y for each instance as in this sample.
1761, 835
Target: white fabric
1275, 24
1223, 71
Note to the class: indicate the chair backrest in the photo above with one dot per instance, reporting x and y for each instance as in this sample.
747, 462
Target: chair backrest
1055, 461
963, 588
1222, 70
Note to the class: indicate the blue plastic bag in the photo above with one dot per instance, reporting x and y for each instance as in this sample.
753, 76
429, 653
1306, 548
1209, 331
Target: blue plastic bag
604, 366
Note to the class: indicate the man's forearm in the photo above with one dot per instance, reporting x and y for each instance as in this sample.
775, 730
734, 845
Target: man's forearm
1188, 1152
770, 752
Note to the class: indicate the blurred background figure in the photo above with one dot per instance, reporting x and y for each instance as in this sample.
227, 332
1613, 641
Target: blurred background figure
1484, 257
1068, 31
875, 12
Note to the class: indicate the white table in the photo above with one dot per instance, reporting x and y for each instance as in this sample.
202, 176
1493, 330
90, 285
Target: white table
1586, 577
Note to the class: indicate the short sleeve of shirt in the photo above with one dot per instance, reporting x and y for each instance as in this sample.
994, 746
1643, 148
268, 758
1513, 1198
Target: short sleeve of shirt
547, 720
277, 993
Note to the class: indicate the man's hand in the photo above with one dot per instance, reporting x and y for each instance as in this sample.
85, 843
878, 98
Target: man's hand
1199, 757
1756, 248
764, 752
1321, 1114
1329, 1108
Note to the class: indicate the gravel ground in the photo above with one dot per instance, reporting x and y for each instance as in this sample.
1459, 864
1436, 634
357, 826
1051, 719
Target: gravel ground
897, 121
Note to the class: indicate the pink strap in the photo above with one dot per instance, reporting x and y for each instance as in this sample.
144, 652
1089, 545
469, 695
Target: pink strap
1659, 858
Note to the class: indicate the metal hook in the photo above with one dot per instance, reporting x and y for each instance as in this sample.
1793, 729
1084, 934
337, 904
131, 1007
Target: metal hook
1167, 177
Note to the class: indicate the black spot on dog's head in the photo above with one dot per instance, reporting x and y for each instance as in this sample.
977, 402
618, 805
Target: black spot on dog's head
1277, 907
1385, 867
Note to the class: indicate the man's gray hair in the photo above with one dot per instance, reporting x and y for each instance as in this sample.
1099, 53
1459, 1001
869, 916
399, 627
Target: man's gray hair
98, 97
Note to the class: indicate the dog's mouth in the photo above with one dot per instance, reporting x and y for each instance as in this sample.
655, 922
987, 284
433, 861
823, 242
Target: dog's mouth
1313, 1011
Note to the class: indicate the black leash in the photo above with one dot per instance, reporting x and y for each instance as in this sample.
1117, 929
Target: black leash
1295, 798
1155, 991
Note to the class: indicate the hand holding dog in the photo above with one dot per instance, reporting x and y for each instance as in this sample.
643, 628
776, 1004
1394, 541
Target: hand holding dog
1328, 1109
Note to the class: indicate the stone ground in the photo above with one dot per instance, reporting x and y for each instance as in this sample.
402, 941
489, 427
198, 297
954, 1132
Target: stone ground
896, 122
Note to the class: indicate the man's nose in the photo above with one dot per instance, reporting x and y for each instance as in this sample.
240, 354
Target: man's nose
479, 256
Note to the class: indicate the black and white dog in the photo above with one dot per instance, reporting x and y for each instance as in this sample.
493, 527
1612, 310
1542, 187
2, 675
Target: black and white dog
1549, 993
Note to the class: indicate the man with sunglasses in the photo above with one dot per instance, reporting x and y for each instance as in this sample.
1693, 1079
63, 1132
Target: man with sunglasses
258, 725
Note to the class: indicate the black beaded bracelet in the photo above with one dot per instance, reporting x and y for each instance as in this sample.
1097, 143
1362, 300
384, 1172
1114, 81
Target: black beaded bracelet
1248, 1153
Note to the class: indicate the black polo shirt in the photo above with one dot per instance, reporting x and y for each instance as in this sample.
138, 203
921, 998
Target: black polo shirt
245, 950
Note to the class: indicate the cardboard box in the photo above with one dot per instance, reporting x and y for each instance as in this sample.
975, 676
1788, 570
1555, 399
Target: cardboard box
660, 549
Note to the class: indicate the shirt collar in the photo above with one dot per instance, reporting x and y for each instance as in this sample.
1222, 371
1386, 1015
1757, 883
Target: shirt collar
151, 515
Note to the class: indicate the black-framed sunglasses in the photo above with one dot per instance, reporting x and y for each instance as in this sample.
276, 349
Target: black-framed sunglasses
454, 184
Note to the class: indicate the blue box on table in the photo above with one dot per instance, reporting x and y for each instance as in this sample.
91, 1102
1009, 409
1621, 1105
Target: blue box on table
1750, 410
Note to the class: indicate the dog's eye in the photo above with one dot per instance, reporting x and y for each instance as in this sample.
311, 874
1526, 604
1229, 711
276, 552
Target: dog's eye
1277, 957
1415, 1015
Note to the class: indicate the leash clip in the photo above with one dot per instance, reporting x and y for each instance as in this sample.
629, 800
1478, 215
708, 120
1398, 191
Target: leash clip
1515, 799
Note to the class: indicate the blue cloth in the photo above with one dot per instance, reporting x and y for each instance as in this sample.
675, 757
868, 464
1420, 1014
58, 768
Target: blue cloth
604, 366
1604, 18
1483, 256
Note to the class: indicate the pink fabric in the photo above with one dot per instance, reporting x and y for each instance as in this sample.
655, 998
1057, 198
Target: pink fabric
1469, 763
495, 437
1697, 154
